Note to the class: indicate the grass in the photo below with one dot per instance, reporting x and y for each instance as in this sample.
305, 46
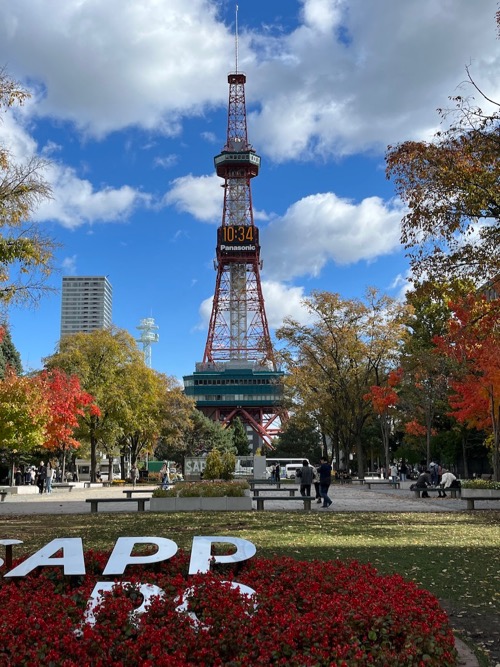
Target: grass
456, 557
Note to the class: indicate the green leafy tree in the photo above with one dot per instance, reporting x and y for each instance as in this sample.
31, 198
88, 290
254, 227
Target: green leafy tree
25, 254
9, 356
202, 435
104, 361
240, 438
300, 438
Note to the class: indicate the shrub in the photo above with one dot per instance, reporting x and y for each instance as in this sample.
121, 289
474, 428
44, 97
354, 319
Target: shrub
213, 467
228, 465
208, 489
480, 484
305, 614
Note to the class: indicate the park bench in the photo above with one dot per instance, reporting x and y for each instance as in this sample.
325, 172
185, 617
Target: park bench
291, 490
260, 500
357, 480
471, 501
141, 502
63, 485
130, 492
454, 492
254, 482
382, 482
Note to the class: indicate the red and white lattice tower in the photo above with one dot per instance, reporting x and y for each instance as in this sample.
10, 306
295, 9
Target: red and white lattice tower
238, 327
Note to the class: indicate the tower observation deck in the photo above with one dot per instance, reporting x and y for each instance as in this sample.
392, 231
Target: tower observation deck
238, 376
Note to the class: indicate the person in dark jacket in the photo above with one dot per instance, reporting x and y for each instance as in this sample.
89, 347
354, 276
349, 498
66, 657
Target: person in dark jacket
424, 480
325, 479
306, 475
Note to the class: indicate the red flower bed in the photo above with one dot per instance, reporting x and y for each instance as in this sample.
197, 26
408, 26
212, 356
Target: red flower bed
304, 614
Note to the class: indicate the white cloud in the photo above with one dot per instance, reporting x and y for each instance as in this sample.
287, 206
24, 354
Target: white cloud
74, 201
351, 76
322, 228
200, 196
69, 265
108, 65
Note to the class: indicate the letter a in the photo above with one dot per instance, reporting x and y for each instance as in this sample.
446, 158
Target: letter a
72, 559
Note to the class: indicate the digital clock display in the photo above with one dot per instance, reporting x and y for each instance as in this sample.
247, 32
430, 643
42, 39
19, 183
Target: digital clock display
237, 238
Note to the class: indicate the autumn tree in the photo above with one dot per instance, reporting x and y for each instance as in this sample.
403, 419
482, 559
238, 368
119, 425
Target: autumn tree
67, 404
348, 348
473, 343
156, 409
423, 395
384, 398
450, 186
103, 360
24, 413
25, 253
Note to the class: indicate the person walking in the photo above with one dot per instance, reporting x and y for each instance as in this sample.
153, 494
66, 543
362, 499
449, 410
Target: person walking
307, 474
325, 479
134, 474
403, 471
41, 476
49, 477
165, 476
394, 473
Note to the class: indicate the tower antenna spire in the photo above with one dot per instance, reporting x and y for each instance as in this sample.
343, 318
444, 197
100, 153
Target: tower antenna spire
236, 40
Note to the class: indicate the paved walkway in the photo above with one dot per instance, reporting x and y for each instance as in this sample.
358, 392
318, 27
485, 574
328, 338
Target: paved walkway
346, 498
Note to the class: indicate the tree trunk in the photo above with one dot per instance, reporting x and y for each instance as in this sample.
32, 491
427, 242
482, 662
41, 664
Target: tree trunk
93, 458
464, 454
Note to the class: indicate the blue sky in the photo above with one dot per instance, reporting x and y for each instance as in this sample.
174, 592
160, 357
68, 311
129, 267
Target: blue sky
129, 103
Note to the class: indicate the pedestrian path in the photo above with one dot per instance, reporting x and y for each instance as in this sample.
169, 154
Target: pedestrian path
346, 498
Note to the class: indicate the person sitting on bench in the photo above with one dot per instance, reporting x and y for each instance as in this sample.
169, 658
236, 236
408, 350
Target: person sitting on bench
424, 480
448, 481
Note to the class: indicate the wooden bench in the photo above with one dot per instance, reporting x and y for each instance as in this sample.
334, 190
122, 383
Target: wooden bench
357, 480
130, 492
382, 482
141, 502
291, 490
454, 492
260, 500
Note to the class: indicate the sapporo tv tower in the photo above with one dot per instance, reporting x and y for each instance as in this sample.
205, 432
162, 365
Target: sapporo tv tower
238, 376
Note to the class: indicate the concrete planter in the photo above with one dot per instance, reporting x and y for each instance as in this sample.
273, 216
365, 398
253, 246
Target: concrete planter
485, 494
219, 504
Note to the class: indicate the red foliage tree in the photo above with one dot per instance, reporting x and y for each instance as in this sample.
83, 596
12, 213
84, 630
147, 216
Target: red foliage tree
67, 403
383, 399
473, 343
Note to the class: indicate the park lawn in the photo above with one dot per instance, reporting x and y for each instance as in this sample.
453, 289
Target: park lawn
455, 556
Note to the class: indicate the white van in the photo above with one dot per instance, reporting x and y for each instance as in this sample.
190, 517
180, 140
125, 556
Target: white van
291, 470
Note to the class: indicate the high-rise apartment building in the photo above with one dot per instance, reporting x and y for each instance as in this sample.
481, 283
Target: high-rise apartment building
86, 304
